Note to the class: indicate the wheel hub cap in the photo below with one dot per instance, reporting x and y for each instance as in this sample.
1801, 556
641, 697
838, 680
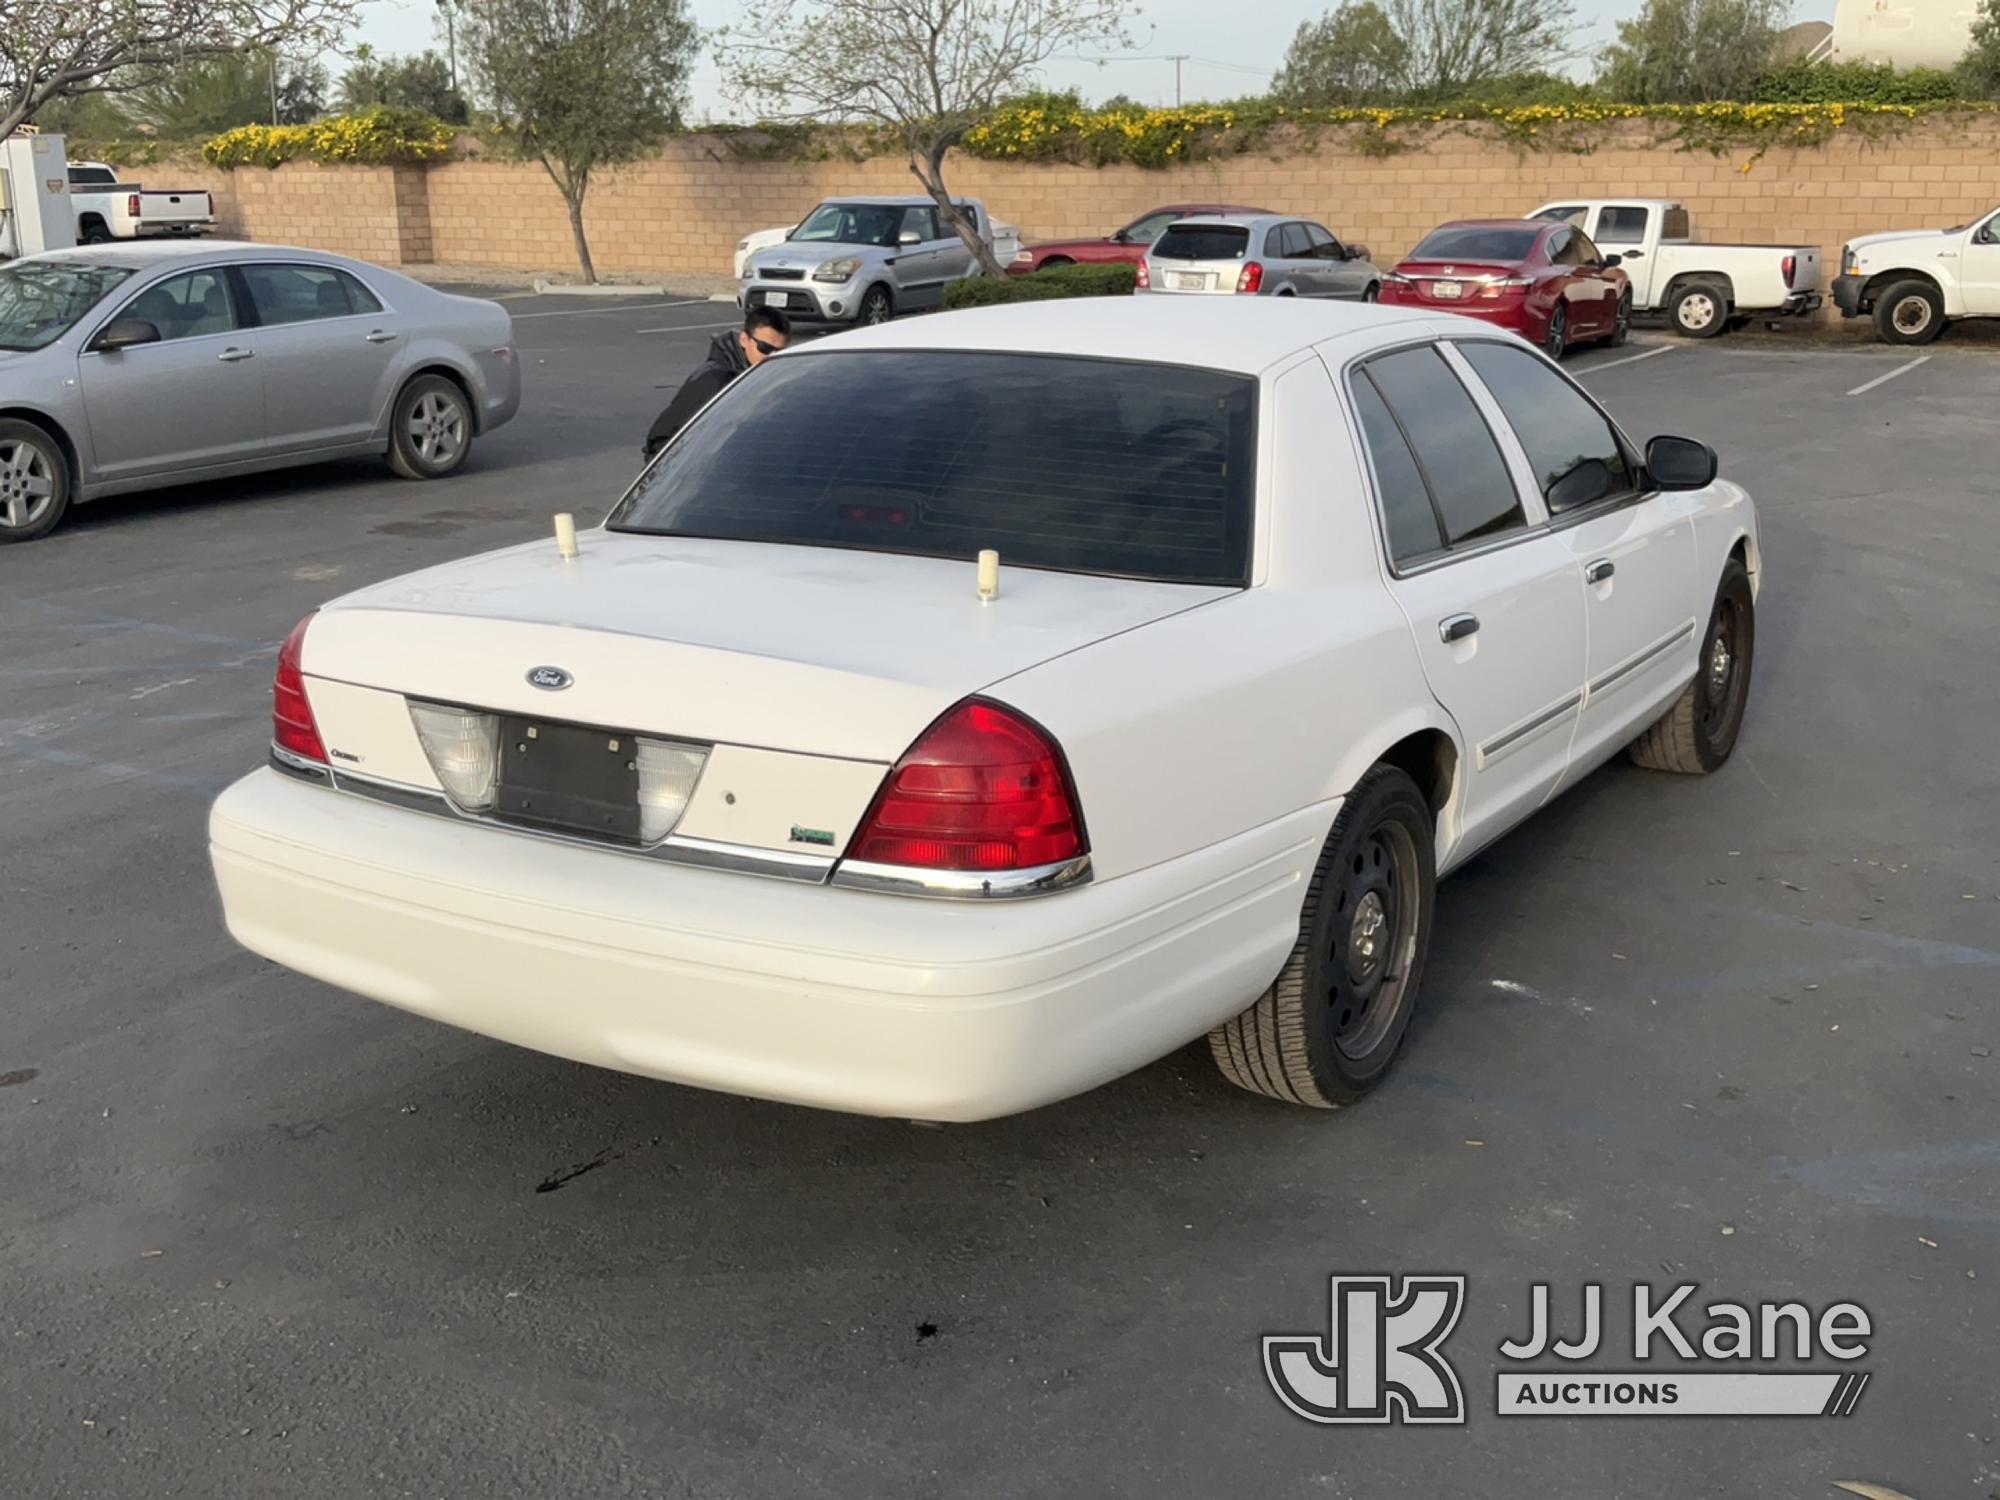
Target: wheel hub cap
1718, 664
1912, 313
1366, 938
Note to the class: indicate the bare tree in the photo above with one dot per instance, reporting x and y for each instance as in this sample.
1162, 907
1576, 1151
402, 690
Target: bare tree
1455, 44
581, 84
929, 70
52, 50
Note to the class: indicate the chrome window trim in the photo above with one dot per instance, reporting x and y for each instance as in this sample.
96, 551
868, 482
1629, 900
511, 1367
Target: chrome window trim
959, 885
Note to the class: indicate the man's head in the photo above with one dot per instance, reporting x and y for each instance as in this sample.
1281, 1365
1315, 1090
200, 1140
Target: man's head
765, 332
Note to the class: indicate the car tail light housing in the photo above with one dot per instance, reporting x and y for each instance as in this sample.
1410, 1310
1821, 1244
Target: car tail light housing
292, 728
1791, 267
1501, 286
1250, 277
132, 204
463, 748
1145, 274
983, 790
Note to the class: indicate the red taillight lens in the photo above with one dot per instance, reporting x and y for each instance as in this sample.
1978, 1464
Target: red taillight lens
1791, 264
292, 727
982, 789
1251, 277
1145, 275
132, 204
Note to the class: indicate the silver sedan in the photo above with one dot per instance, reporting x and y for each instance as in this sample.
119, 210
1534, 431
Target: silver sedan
123, 367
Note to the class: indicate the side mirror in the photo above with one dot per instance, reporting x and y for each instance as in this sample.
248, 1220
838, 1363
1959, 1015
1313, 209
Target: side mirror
1357, 252
1122, 237
1678, 463
909, 237
1610, 262
125, 333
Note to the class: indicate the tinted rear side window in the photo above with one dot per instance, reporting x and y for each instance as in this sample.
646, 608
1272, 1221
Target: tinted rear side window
1407, 516
1476, 244
1468, 479
1203, 242
1577, 457
1090, 466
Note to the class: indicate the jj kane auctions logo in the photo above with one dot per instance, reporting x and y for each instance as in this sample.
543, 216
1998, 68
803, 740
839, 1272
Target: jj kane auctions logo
1381, 1359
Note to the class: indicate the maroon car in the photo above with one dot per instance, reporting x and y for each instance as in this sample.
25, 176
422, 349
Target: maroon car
1546, 282
1128, 244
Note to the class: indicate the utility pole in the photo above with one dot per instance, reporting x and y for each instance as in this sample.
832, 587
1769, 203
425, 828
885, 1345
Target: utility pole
1177, 58
273, 56
450, 43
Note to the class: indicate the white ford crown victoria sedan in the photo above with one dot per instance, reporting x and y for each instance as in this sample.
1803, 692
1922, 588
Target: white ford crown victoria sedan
1298, 606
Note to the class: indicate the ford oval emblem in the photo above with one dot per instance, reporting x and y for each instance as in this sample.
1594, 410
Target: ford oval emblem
549, 679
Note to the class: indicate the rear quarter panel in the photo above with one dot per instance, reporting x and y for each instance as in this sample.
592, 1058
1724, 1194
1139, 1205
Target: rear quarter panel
1259, 710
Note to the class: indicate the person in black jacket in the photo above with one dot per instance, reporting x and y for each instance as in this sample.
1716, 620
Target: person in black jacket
765, 331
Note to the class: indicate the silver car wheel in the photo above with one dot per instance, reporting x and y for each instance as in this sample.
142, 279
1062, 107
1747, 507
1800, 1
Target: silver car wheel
27, 485
437, 428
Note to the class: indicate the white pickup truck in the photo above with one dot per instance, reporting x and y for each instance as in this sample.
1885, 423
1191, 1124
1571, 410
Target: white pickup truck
1702, 289
107, 209
1916, 280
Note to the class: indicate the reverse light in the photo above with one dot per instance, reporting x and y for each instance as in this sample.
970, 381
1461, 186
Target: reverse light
1251, 277
837, 270
292, 726
1500, 286
667, 774
463, 747
1145, 274
983, 789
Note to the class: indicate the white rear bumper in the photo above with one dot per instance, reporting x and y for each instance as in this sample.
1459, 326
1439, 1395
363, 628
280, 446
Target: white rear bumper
845, 999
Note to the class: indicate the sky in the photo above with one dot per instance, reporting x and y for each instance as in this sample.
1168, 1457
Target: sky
1225, 58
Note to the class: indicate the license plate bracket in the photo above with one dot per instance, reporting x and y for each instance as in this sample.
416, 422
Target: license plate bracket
568, 778
1448, 289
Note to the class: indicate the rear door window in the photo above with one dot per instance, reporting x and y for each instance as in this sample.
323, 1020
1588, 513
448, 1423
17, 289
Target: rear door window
1577, 457
1471, 490
1203, 242
1085, 465
1289, 241
1408, 517
304, 294
1622, 224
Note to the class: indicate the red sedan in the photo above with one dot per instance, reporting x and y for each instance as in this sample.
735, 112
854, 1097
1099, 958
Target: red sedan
1129, 244
1546, 282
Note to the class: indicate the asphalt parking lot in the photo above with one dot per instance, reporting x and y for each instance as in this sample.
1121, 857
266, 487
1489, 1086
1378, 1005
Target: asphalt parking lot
262, 1237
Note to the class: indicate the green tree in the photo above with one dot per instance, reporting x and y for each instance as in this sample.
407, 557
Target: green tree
1456, 44
52, 50
927, 70
1691, 51
1352, 55
207, 96
1979, 69
581, 84
421, 81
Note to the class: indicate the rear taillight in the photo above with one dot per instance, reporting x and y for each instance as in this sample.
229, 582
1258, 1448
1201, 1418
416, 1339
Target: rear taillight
1145, 276
1250, 278
292, 726
982, 789
1791, 265
132, 204
1501, 286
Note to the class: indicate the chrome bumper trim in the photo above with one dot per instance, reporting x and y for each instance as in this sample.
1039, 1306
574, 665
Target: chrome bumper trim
961, 885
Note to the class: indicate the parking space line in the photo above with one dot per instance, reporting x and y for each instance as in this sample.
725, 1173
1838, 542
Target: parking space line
1922, 359
1630, 359
692, 327
584, 312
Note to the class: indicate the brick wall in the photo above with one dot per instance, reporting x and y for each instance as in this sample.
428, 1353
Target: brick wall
683, 211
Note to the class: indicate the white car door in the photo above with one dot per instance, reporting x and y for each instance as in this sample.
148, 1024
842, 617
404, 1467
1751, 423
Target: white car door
1495, 602
1635, 547
1979, 269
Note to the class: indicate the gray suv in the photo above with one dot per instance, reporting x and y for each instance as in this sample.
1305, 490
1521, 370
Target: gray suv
1262, 255
862, 260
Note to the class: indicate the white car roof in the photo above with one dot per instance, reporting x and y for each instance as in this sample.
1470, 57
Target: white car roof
1241, 334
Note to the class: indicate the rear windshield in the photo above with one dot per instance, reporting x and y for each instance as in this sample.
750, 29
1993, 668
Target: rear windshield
1083, 465
1203, 242
1476, 244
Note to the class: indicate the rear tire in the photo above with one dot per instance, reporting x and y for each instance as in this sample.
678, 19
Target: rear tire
34, 482
1326, 1031
1621, 324
94, 233
430, 428
1374, 292
1053, 261
1556, 339
1910, 312
1696, 735
1698, 311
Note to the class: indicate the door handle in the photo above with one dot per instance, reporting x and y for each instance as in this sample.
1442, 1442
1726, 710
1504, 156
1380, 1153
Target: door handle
379, 336
1600, 570
230, 356
1457, 627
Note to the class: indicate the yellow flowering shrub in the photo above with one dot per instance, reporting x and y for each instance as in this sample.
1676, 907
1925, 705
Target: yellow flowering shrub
373, 136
